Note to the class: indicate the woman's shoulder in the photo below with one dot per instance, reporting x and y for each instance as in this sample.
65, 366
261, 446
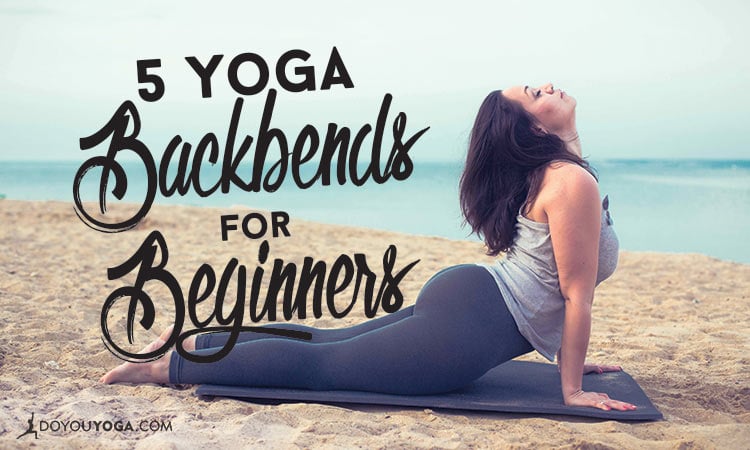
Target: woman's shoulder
565, 183
561, 175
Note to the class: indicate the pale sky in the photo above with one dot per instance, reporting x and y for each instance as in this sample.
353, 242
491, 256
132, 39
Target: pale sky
665, 79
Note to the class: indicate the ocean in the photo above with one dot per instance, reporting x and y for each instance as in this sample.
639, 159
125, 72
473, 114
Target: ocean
675, 206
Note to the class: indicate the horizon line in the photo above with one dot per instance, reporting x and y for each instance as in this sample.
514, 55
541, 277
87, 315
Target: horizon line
429, 161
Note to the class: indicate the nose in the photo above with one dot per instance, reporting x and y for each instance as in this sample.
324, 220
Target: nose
548, 88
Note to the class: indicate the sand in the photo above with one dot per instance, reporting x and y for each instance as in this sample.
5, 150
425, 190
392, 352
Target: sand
678, 323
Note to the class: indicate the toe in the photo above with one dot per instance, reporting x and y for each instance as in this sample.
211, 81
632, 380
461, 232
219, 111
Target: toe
167, 333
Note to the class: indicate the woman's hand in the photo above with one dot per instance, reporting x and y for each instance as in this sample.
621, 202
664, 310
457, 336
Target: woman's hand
596, 368
597, 400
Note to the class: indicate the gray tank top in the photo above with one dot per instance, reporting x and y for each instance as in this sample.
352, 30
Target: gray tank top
528, 281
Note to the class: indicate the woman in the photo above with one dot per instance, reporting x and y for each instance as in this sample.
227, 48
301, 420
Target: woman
527, 191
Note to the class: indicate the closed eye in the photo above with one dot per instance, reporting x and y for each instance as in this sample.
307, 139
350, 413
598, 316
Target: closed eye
538, 93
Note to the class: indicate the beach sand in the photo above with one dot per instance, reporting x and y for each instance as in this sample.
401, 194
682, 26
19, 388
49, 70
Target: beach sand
678, 323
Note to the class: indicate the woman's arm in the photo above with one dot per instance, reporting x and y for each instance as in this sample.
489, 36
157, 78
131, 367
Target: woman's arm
573, 211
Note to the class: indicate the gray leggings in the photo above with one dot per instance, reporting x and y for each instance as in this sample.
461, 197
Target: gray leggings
458, 329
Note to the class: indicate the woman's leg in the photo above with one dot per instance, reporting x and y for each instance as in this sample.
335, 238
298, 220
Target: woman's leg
319, 335
459, 329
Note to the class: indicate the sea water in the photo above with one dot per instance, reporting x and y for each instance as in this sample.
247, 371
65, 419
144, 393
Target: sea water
697, 206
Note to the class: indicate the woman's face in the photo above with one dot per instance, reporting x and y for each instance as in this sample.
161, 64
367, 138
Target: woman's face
553, 109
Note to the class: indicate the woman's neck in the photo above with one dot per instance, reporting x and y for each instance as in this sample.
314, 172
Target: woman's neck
573, 144
572, 140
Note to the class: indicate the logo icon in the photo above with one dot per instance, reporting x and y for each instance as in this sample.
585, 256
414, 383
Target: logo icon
31, 429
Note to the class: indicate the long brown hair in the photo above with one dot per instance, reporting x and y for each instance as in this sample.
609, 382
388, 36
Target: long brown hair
504, 167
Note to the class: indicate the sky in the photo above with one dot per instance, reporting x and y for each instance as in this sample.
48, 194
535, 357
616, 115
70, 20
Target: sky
662, 79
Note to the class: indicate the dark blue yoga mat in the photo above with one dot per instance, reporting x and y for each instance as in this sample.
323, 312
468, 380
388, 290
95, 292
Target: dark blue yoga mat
513, 387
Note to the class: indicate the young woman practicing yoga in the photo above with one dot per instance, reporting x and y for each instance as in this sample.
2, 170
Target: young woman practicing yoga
527, 191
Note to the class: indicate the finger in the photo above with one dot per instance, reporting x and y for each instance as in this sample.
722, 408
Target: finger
592, 368
588, 368
602, 404
621, 406
617, 404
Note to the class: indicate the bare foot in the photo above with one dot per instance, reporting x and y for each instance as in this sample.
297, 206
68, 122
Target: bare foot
188, 344
148, 372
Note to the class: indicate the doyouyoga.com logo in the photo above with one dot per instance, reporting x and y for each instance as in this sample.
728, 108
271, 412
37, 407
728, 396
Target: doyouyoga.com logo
86, 426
